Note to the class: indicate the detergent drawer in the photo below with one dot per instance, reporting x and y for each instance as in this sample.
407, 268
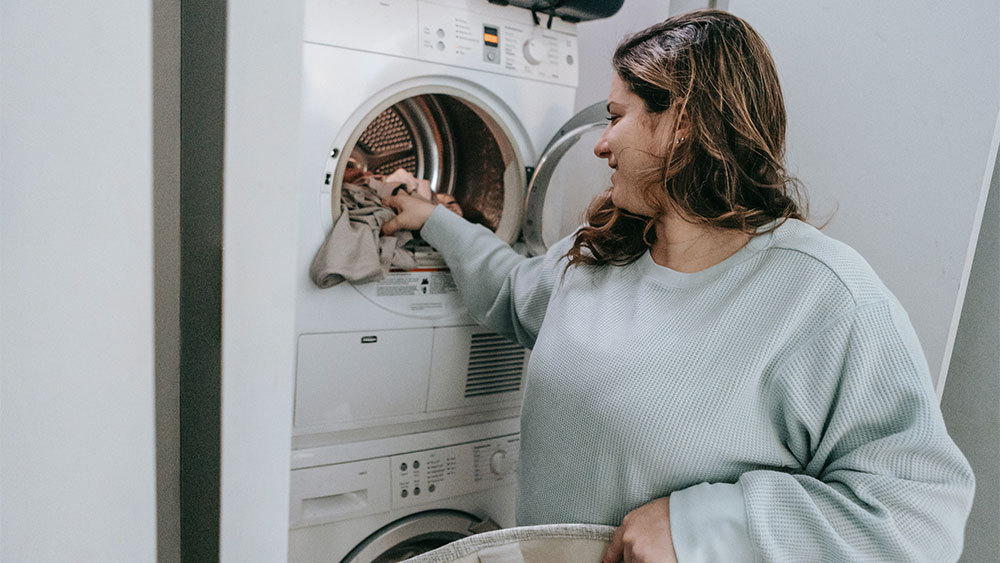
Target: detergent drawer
352, 376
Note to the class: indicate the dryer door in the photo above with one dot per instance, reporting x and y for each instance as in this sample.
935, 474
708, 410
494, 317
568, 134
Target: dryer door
567, 177
416, 534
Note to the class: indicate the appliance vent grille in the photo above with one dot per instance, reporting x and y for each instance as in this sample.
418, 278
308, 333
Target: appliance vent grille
496, 365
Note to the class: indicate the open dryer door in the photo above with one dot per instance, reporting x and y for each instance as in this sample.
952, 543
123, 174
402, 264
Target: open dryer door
567, 177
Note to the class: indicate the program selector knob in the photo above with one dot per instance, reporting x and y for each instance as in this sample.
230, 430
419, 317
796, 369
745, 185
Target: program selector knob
499, 464
532, 52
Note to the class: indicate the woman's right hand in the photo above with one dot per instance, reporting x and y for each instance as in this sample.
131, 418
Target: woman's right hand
412, 212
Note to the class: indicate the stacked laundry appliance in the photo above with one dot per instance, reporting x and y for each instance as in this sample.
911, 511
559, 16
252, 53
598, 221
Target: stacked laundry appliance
405, 432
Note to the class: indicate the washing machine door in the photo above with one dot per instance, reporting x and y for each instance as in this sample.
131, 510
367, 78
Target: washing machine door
566, 178
415, 534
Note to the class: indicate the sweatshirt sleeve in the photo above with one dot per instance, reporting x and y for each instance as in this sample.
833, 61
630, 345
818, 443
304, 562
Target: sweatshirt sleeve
502, 289
879, 477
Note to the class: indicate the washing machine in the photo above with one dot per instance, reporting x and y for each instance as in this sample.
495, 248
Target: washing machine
405, 427
389, 499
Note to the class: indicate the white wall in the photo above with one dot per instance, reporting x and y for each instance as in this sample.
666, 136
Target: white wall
263, 72
77, 475
598, 39
891, 108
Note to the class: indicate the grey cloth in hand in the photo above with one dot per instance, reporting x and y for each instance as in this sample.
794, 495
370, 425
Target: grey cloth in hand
354, 250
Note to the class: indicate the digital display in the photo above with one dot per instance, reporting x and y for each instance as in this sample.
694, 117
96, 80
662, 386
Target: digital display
490, 36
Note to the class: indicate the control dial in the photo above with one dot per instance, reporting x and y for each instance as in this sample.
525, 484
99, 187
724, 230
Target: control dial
533, 51
500, 463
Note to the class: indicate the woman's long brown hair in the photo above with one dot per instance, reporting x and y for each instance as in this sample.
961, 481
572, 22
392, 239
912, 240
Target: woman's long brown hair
729, 172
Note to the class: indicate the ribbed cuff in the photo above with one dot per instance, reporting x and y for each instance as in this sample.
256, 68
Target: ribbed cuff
440, 223
708, 522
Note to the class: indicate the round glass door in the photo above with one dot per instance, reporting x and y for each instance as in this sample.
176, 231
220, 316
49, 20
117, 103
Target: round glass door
566, 179
416, 534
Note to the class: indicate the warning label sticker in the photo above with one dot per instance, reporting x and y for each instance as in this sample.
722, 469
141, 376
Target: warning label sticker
423, 292
415, 283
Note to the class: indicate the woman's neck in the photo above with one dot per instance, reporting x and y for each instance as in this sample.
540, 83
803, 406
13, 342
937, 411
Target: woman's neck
688, 247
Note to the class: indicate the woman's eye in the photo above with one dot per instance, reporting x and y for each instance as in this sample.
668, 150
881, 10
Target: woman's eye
611, 117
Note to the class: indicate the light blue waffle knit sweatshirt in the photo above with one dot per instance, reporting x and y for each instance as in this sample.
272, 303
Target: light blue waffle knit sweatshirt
780, 398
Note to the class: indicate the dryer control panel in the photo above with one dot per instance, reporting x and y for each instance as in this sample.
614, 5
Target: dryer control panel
491, 42
473, 34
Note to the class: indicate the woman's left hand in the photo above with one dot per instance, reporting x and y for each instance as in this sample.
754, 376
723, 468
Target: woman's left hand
644, 536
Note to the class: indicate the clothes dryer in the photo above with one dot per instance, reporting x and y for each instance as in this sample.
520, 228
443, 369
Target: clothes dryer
465, 94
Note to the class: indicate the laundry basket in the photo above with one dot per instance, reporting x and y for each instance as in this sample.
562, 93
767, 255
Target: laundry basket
550, 543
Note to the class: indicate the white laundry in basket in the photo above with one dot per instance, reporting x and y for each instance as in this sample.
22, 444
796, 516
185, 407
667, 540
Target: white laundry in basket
550, 543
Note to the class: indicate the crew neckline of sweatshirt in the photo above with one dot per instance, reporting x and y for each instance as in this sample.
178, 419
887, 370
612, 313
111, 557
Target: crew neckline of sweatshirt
670, 277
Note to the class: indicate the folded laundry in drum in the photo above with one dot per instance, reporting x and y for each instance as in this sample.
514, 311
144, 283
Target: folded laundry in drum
549, 543
354, 250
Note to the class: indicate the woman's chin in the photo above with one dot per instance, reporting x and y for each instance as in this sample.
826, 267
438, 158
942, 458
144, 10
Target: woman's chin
619, 198
622, 201
616, 194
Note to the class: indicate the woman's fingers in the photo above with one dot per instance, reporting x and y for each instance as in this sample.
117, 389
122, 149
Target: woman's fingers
391, 226
394, 224
644, 536
391, 201
424, 189
412, 213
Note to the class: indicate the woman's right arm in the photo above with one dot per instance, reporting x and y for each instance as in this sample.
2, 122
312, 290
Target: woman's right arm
502, 289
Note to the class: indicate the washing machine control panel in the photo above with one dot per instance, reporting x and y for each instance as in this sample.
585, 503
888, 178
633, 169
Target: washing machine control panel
493, 43
429, 475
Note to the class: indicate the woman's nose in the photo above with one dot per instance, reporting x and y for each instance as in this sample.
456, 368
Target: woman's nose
601, 149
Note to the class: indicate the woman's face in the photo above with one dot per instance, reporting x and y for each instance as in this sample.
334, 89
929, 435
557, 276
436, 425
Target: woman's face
634, 144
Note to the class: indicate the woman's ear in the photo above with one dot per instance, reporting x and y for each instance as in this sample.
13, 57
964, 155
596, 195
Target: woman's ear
683, 128
672, 130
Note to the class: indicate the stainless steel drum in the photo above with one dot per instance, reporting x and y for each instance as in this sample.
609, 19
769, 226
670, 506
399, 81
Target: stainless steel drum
451, 142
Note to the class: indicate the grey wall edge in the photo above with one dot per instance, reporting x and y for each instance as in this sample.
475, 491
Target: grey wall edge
971, 401
167, 272
988, 179
202, 111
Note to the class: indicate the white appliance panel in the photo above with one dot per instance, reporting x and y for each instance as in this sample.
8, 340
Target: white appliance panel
462, 33
450, 366
361, 375
421, 477
351, 23
488, 42
331, 493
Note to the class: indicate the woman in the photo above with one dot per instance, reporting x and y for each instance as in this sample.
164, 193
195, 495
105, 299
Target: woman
709, 371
